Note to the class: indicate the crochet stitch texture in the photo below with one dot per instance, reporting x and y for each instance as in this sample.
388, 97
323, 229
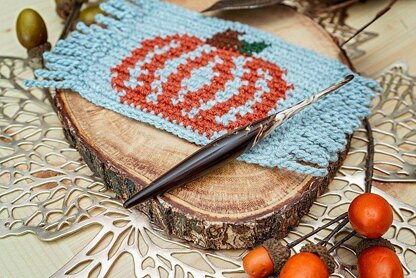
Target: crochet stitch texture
199, 77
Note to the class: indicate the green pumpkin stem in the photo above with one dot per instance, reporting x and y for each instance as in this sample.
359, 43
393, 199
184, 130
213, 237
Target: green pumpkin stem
254, 47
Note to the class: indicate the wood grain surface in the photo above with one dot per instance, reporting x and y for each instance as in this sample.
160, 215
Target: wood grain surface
25, 256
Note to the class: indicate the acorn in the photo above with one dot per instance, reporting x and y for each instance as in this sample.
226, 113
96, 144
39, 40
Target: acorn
88, 14
312, 261
33, 35
31, 29
322, 253
377, 258
266, 259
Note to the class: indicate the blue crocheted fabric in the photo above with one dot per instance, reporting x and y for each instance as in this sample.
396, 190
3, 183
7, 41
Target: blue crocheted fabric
199, 77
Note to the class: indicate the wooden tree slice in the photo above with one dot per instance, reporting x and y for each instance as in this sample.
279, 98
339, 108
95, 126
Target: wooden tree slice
236, 206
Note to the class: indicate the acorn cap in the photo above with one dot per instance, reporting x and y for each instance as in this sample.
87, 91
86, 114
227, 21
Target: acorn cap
35, 55
371, 242
322, 253
278, 252
37, 51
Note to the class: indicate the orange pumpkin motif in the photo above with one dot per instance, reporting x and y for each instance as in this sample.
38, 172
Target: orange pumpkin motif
211, 86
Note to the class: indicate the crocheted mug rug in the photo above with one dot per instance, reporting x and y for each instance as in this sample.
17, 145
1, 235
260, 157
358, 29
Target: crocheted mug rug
200, 77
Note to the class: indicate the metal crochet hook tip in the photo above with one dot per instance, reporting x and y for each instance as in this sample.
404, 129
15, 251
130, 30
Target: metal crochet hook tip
224, 149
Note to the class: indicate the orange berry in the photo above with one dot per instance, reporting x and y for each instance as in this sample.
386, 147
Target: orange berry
370, 215
379, 261
257, 263
304, 265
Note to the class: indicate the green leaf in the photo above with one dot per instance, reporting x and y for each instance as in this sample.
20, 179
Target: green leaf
254, 47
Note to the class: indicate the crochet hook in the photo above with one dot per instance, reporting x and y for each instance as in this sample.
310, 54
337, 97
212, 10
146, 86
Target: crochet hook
224, 149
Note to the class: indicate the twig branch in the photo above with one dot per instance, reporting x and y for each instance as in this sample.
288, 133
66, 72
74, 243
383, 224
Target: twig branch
378, 15
299, 240
334, 231
344, 239
369, 162
71, 18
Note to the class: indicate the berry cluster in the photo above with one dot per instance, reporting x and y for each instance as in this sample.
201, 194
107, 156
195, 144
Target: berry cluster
369, 214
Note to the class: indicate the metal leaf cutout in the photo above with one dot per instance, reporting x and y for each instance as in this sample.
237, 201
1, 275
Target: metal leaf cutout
395, 117
46, 189
335, 24
225, 5
138, 240
394, 127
